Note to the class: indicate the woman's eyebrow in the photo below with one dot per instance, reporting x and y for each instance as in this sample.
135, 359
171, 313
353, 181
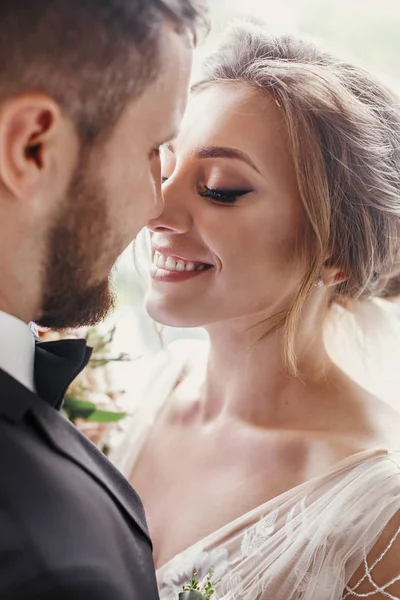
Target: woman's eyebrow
204, 152
226, 152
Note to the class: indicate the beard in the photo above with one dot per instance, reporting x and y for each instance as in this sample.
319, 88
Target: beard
76, 243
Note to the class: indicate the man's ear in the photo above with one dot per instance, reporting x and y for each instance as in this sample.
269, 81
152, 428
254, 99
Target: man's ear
28, 138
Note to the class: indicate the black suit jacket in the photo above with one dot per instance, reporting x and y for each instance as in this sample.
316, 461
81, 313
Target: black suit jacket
71, 526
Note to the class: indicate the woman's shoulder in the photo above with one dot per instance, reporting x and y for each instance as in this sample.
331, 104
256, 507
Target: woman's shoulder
363, 419
383, 422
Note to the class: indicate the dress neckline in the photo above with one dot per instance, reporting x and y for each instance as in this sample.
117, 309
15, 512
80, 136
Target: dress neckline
352, 460
156, 402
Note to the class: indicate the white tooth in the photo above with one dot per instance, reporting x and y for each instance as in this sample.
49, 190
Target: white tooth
155, 257
180, 265
160, 261
190, 266
201, 268
170, 263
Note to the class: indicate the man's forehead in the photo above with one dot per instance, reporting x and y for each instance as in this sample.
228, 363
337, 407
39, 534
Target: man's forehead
186, 36
176, 58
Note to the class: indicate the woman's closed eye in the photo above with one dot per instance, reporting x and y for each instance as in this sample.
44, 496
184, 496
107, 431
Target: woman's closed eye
224, 195
220, 195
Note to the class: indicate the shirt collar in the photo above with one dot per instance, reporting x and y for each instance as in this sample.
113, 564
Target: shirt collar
17, 350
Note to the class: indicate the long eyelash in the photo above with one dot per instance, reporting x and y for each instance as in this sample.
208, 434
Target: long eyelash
223, 196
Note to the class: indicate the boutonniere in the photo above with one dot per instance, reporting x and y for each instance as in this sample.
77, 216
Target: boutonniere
194, 591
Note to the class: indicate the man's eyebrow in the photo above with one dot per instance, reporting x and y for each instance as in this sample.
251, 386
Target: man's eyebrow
225, 152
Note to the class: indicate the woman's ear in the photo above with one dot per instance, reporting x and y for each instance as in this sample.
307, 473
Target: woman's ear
332, 275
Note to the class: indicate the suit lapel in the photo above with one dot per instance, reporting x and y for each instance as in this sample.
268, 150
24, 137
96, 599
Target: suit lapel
17, 402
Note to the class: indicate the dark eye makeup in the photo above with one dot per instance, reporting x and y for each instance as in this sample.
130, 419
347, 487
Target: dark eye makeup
220, 195
224, 195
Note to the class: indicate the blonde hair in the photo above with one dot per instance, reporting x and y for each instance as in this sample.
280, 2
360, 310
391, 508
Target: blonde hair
344, 134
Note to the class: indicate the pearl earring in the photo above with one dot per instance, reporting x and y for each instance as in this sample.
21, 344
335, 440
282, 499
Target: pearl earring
319, 283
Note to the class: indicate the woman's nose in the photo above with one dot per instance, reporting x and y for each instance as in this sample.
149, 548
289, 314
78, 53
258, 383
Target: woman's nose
175, 213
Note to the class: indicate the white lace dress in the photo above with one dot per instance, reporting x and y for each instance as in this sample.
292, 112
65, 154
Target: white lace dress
305, 544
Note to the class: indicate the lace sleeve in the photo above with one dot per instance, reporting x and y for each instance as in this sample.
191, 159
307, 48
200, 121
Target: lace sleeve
378, 577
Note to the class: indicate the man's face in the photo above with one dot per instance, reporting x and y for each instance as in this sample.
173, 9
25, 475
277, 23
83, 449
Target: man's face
114, 192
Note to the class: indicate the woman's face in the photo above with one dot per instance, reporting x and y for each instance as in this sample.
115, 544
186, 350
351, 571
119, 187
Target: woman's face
225, 246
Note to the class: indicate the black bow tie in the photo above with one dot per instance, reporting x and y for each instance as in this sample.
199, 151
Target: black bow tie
56, 366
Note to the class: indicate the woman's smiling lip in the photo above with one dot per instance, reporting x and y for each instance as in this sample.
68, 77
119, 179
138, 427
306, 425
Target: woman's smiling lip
172, 267
169, 252
166, 276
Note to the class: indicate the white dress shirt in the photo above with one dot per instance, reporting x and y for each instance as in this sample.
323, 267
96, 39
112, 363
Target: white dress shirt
17, 349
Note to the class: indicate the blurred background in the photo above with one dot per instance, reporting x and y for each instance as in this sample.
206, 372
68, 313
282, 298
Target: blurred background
365, 31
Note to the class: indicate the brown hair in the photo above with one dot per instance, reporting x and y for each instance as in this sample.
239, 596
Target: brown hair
90, 56
344, 132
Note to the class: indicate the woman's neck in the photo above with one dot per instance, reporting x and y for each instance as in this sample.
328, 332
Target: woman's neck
247, 377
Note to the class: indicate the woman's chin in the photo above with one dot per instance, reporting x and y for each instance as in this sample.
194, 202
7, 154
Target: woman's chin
172, 318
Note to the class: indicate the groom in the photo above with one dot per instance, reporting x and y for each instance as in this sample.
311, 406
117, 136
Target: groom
89, 89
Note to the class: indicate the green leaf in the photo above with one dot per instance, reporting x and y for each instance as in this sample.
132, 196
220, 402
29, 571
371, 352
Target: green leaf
105, 416
82, 409
78, 409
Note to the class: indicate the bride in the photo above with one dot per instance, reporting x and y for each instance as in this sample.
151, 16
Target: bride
255, 454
